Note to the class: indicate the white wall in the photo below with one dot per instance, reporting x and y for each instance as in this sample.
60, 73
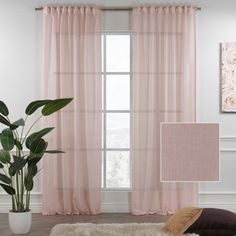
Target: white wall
216, 24
20, 49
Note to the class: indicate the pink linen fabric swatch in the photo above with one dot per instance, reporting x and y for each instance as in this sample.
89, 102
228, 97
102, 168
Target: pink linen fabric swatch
189, 152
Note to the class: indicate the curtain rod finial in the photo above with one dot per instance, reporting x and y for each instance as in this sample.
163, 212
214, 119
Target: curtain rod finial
38, 8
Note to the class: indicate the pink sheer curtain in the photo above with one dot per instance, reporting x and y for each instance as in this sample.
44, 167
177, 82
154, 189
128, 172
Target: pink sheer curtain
72, 68
163, 89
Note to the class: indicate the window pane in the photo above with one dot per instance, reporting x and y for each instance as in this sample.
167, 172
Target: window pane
103, 170
118, 53
103, 146
118, 170
117, 130
118, 92
103, 78
102, 48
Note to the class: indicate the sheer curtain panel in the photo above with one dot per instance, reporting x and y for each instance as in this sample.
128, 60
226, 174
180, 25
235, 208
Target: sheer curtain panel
163, 89
72, 68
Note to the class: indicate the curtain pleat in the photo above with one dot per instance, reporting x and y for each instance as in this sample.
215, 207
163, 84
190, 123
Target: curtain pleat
163, 90
72, 68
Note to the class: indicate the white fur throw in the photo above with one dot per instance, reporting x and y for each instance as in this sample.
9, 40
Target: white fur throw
89, 229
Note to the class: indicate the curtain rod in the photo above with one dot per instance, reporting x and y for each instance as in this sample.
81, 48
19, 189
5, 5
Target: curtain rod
111, 8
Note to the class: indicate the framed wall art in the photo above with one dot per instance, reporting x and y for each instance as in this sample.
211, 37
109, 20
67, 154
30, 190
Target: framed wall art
228, 77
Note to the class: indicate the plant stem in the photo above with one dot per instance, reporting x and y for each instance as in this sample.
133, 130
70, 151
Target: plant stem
27, 200
18, 202
21, 192
31, 128
13, 131
13, 204
4, 172
22, 187
22, 130
17, 191
12, 198
17, 135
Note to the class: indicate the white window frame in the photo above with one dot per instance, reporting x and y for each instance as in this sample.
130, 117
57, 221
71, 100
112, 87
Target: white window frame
105, 111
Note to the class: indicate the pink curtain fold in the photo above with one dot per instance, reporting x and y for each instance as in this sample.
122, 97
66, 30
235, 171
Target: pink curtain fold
72, 68
163, 89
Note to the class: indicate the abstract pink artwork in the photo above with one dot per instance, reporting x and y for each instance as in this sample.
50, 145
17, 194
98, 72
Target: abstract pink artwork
228, 73
189, 152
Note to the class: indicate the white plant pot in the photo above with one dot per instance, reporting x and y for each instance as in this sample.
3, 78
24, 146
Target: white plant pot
20, 222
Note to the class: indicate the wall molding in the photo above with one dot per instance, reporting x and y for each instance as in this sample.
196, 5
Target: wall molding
129, 191
209, 199
217, 193
123, 207
32, 194
228, 138
230, 206
115, 207
35, 207
228, 150
215, 199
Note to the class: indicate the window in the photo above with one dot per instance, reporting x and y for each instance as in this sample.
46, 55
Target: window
116, 110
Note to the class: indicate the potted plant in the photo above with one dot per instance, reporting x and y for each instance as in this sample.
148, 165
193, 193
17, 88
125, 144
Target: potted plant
18, 169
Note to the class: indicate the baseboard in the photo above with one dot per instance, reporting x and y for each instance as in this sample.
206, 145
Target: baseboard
223, 200
115, 208
125, 208
105, 208
121, 207
228, 206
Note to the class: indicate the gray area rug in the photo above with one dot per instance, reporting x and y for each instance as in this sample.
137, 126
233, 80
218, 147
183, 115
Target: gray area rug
132, 229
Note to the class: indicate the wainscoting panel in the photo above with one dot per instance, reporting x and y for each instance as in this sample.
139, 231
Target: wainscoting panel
36, 205
217, 195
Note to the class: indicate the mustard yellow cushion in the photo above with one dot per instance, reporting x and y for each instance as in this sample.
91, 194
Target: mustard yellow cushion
182, 220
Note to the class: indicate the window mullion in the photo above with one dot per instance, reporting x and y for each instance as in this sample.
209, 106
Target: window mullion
130, 116
105, 112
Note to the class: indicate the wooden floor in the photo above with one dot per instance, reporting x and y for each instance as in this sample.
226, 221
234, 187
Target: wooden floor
41, 225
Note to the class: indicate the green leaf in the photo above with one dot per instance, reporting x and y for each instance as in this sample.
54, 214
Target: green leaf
4, 121
53, 151
38, 146
1, 166
8, 189
55, 106
33, 106
7, 139
5, 179
32, 170
19, 162
12, 127
29, 183
12, 170
37, 136
5, 156
3, 109
19, 122
18, 144
34, 159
